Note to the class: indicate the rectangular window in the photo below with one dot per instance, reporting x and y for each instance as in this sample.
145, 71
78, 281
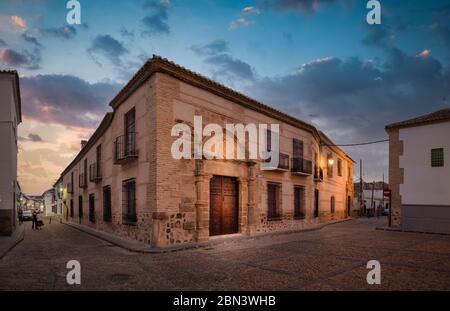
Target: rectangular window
98, 156
299, 202
85, 171
339, 167
130, 121
297, 146
92, 208
298, 163
130, 131
129, 201
273, 201
80, 207
107, 213
330, 164
98, 161
316, 203
333, 205
70, 189
437, 157
71, 207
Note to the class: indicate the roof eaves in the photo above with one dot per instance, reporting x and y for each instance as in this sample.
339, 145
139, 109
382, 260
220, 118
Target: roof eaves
434, 117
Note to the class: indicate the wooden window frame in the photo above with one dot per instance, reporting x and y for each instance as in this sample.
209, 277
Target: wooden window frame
299, 203
107, 206
80, 207
92, 208
129, 212
71, 208
333, 204
277, 213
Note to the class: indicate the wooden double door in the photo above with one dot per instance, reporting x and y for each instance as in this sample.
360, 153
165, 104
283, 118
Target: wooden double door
224, 206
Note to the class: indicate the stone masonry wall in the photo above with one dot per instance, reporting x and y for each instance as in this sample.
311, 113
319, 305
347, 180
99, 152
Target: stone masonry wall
183, 192
395, 176
142, 170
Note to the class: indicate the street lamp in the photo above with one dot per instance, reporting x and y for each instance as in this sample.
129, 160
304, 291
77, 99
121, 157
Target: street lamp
331, 161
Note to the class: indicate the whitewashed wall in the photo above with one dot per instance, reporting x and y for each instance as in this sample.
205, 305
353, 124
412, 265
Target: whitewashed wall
423, 184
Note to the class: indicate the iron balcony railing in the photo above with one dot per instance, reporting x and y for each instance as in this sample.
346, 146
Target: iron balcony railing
301, 166
95, 172
283, 163
125, 148
83, 180
318, 173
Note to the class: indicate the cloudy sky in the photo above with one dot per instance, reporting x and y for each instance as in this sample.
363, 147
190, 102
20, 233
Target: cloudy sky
316, 59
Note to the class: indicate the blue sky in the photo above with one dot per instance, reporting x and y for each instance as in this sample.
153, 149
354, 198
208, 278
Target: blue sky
316, 59
275, 42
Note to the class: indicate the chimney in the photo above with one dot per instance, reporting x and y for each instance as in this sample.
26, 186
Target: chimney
83, 143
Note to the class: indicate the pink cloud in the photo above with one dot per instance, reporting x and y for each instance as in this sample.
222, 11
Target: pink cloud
19, 22
425, 53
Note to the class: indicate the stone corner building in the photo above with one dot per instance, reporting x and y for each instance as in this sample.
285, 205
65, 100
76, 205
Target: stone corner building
419, 170
125, 181
10, 118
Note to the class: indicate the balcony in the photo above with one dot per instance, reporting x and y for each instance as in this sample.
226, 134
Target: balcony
95, 173
125, 149
283, 164
318, 174
301, 167
83, 181
70, 188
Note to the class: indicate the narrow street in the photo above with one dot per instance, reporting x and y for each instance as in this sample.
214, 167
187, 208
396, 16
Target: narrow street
333, 258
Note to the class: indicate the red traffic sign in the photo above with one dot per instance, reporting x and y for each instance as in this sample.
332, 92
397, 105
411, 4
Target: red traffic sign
387, 192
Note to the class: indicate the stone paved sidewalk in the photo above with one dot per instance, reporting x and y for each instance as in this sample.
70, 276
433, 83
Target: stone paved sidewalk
8, 243
333, 258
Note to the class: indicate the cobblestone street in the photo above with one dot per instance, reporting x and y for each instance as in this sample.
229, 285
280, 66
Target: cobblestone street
333, 258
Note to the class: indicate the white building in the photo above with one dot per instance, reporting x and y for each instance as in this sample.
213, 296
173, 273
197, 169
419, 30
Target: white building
10, 117
419, 169
49, 203
58, 189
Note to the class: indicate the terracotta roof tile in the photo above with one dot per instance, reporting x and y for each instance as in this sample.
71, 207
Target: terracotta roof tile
438, 116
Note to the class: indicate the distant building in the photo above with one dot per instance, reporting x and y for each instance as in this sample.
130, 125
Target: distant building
419, 171
49, 202
35, 202
10, 117
58, 189
371, 201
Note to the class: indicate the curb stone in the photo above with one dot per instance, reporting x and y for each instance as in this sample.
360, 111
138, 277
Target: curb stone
139, 247
409, 231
